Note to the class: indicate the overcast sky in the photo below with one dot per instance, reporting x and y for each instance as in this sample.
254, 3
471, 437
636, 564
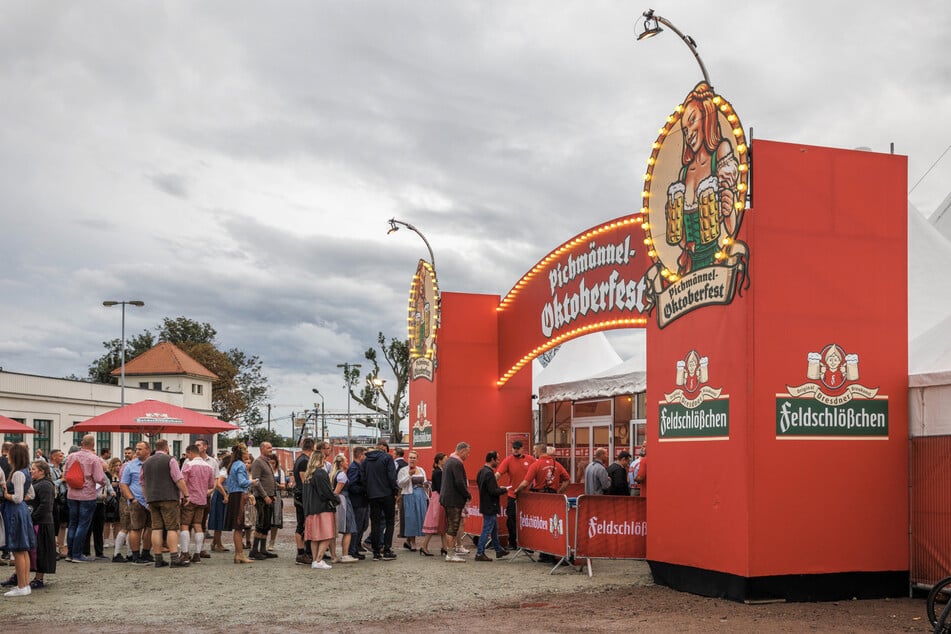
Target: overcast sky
236, 162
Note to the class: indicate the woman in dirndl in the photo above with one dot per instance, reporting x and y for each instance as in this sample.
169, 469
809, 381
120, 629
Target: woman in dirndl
18, 524
320, 505
346, 521
42, 516
411, 480
435, 521
236, 487
217, 508
277, 507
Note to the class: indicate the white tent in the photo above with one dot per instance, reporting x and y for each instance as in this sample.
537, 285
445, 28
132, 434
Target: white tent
629, 377
578, 359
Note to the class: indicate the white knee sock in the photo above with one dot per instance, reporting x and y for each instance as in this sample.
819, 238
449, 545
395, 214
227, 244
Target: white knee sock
120, 542
199, 541
183, 542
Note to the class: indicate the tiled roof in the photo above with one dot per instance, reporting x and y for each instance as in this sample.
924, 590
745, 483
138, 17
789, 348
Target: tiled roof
165, 358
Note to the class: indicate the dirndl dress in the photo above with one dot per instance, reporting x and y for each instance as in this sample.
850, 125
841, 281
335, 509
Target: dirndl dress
17, 522
414, 512
346, 520
435, 521
216, 512
277, 510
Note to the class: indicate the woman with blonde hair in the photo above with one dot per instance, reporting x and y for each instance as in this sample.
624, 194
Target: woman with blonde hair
346, 522
320, 504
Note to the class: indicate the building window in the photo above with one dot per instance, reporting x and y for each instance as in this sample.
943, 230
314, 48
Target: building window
134, 439
197, 388
103, 441
144, 385
157, 385
77, 436
41, 439
176, 448
15, 437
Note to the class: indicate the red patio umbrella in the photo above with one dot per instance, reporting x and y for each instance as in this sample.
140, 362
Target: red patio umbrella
10, 426
154, 418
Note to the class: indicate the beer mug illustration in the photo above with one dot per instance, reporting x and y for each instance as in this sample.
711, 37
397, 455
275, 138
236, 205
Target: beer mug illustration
681, 372
852, 367
675, 212
708, 202
704, 369
812, 369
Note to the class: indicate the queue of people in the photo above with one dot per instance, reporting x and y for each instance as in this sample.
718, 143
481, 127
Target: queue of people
346, 511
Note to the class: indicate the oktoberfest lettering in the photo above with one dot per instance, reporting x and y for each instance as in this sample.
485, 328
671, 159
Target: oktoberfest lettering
613, 293
691, 419
830, 418
610, 527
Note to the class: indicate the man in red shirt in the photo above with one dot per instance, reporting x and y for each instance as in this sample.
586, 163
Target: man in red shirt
545, 475
513, 467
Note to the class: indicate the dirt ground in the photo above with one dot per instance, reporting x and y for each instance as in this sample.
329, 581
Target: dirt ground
412, 593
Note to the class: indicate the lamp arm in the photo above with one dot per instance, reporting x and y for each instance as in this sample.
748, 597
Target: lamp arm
432, 258
690, 44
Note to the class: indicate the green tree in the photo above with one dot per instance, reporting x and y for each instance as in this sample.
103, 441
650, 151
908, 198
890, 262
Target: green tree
241, 386
393, 406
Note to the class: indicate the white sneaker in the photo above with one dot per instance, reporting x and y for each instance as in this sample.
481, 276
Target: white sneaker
321, 565
18, 592
461, 551
455, 559
348, 559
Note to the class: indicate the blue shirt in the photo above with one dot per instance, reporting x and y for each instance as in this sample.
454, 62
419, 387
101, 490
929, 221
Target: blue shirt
131, 477
237, 480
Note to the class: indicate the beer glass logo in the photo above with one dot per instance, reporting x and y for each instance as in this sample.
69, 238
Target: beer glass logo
694, 199
423, 321
833, 377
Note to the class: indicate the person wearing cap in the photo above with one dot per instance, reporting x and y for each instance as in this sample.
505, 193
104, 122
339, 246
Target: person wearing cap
617, 473
513, 468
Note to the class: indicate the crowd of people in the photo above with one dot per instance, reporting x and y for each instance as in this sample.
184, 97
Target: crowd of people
65, 506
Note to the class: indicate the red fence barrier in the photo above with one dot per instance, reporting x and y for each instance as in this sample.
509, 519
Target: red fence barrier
473, 521
544, 523
611, 527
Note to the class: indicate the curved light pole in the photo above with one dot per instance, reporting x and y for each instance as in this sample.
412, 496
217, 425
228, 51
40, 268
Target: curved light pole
652, 27
130, 302
393, 227
323, 414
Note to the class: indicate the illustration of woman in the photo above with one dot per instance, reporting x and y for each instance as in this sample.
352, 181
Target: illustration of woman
832, 367
701, 200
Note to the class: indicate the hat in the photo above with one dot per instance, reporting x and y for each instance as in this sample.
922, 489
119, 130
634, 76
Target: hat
518, 444
623, 455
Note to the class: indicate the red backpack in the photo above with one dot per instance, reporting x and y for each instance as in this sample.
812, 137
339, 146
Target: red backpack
74, 476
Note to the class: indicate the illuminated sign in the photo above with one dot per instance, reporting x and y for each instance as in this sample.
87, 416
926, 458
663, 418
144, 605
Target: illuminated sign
693, 202
423, 322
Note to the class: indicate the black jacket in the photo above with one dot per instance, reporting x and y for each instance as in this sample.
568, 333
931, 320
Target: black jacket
379, 474
455, 487
356, 488
318, 495
489, 492
618, 475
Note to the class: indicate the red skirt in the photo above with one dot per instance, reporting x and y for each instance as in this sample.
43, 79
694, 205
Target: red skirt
435, 521
320, 527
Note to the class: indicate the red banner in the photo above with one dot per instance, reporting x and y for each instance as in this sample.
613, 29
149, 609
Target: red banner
473, 521
610, 527
543, 523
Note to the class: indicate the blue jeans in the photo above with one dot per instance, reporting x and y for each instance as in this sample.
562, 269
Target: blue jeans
80, 518
490, 528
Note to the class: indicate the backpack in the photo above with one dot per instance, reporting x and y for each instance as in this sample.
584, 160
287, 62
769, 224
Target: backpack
74, 476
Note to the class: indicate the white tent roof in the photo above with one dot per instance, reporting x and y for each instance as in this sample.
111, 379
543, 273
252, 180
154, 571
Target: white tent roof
929, 285
579, 359
628, 377
930, 356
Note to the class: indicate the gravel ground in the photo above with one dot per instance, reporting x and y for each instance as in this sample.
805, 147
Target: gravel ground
422, 594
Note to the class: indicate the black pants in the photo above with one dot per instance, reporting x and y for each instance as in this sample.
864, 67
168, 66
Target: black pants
361, 514
382, 519
95, 530
511, 522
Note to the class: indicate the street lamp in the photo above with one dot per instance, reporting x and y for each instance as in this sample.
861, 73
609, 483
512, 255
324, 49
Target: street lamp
131, 302
652, 27
376, 384
346, 371
393, 227
323, 414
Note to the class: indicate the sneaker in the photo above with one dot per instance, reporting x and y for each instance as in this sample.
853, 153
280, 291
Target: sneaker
377, 557
196, 558
160, 562
482, 557
9, 583
320, 565
37, 584
268, 555
202, 555
455, 559
347, 559
462, 551
181, 562
502, 554
119, 559
360, 556
147, 558
18, 592
389, 555
82, 559
257, 556
303, 560
135, 559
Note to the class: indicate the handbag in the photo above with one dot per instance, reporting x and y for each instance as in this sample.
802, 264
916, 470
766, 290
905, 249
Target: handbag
111, 510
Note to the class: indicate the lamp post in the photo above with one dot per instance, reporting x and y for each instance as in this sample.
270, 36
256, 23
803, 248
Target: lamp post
376, 383
323, 414
346, 372
393, 227
131, 302
652, 24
